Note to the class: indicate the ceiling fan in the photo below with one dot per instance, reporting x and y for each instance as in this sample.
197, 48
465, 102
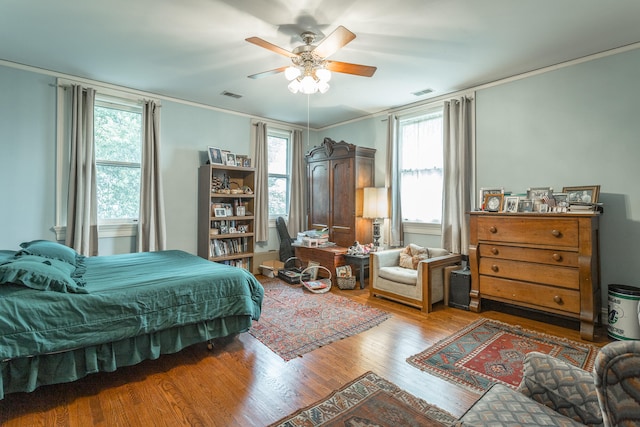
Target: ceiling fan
311, 61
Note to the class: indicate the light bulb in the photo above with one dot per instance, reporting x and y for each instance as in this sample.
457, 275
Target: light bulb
323, 74
294, 86
308, 85
323, 86
291, 73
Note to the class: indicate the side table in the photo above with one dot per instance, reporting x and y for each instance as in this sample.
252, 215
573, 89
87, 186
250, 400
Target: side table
359, 261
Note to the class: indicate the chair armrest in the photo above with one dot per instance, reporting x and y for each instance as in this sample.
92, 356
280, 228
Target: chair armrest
431, 273
562, 387
617, 381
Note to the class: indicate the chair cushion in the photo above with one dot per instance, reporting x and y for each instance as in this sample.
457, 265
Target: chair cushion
502, 406
400, 275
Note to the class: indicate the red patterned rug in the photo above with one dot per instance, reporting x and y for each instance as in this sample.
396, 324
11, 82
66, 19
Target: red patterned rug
369, 401
295, 321
488, 351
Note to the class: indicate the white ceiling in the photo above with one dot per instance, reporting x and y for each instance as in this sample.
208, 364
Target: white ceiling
196, 49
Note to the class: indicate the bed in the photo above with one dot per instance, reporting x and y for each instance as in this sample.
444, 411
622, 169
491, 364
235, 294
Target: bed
64, 316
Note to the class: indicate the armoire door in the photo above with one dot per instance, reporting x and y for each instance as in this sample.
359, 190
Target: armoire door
342, 215
319, 196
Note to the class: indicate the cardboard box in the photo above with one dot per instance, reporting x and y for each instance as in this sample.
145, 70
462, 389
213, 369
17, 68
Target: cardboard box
271, 267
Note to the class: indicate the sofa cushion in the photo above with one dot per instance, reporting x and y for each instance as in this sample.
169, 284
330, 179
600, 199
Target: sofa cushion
411, 256
562, 387
502, 406
399, 274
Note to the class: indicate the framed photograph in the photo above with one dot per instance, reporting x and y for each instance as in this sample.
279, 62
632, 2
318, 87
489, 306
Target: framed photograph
240, 210
493, 202
539, 192
543, 208
584, 194
240, 159
215, 156
527, 205
219, 212
511, 203
246, 162
489, 190
231, 159
223, 154
561, 200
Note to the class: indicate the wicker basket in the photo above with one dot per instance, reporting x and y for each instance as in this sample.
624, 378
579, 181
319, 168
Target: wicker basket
346, 282
318, 286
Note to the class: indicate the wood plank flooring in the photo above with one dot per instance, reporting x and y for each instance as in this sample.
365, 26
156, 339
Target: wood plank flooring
242, 383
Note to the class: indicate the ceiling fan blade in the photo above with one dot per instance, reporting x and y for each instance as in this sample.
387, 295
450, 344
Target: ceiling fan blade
268, 73
272, 47
334, 41
347, 68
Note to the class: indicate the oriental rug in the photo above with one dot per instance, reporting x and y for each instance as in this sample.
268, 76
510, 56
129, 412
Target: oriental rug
369, 400
295, 321
488, 352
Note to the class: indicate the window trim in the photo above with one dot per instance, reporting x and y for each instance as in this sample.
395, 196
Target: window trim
288, 135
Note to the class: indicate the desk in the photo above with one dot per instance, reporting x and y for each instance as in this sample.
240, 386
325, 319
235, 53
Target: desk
361, 262
329, 257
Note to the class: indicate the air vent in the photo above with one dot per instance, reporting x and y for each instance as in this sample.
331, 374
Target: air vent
423, 92
231, 94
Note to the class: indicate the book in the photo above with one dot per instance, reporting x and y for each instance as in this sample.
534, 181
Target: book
315, 284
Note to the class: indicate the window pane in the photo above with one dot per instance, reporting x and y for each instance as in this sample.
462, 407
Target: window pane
119, 192
278, 196
278, 155
117, 135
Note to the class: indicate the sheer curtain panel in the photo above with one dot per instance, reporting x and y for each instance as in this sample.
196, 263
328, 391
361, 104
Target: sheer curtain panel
394, 235
262, 183
297, 203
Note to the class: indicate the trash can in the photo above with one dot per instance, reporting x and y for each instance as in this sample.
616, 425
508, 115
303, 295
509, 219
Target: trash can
624, 312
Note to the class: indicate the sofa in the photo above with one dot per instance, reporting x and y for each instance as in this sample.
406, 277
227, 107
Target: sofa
554, 393
419, 282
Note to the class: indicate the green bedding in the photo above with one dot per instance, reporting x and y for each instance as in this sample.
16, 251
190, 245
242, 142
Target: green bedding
127, 296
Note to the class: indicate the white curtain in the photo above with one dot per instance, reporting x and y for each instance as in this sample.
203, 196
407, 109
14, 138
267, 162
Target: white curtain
394, 234
458, 173
82, 212
297, 203
262, 185
151, 224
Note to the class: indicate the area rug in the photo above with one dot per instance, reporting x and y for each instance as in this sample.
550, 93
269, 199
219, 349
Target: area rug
488, 352
369, 401
295, 321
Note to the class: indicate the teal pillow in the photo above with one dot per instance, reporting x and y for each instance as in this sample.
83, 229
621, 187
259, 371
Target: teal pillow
40, 273
53, 250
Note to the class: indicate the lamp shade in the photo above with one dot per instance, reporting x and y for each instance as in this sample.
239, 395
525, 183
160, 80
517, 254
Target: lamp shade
375, 203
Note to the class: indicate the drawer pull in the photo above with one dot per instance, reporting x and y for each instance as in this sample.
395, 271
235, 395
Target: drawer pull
493, 230
557, 299
557, 257
495, 268
556, 233
495, 251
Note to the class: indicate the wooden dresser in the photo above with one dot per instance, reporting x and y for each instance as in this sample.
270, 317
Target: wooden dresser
548, 262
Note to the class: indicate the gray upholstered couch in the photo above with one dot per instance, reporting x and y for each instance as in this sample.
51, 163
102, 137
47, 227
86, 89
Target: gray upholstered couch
554, 393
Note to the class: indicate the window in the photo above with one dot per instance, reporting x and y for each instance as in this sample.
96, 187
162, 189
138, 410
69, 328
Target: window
118, 151
279, 147
421, 167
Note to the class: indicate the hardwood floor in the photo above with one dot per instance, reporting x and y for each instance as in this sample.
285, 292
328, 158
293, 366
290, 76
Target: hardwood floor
242, 383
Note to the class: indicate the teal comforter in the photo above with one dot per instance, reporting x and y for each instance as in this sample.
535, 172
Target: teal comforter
128, 295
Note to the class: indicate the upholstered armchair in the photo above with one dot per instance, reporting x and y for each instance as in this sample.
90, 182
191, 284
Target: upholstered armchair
555, 393
419, 287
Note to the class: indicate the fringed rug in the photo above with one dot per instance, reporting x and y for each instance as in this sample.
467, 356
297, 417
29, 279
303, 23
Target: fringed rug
369, 401
488, 351
295, 321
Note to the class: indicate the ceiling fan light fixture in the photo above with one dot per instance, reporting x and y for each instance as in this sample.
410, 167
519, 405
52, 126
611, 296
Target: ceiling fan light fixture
323, 74
308, 85
323, 86
294, 86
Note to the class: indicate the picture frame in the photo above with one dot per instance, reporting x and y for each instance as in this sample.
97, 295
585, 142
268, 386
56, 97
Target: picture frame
561, 200
488, 190
493, 202
219, 212
511, 203
246, 162
539, 192
582, 194
240, 159
231, 159
243, 228
224, 153
527, 205
240, 210
215, 156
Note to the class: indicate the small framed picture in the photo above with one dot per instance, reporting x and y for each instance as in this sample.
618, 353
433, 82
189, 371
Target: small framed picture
493, 202
240, 159
215, 156
527, 205
219, 212
543, 208
511, 203
539, 192
240, 210
231, 159
244, 228
246, 162
223, 154
584, 194
489, 190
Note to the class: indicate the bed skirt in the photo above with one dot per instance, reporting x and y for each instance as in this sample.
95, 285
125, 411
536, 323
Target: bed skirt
28, 373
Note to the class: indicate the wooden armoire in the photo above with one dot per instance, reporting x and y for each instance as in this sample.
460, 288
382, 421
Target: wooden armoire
337, 173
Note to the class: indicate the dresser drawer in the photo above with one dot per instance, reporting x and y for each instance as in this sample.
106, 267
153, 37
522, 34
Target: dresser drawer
519, 253
566, 277
560, 232
566, 300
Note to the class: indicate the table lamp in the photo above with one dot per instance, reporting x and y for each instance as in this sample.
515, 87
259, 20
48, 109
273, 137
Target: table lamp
375, 207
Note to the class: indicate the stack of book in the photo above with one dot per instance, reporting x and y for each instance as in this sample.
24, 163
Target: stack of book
588, 208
